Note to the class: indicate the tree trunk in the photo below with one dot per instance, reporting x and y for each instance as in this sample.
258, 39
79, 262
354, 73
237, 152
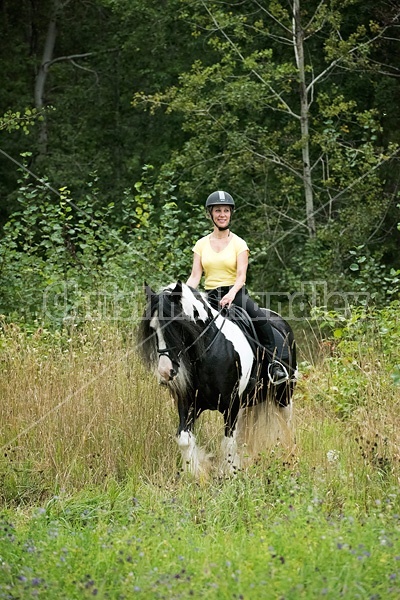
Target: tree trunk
41, 77
298, 40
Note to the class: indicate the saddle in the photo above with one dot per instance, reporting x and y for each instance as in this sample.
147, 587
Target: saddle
242, 319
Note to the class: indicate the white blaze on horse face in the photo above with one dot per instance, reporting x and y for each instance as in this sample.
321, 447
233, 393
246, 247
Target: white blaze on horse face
235, 335
190, 303
165, 366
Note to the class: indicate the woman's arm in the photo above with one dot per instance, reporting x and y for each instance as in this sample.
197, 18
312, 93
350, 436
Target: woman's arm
197, 271
241, 272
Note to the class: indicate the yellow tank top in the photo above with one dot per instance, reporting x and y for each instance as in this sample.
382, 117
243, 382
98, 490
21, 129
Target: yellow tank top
220, 268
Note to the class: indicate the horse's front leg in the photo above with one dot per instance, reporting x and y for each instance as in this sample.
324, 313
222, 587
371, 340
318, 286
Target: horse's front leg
231, 460
194, 458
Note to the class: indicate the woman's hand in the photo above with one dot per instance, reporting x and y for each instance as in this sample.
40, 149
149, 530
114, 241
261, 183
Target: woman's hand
242, 263
227, 299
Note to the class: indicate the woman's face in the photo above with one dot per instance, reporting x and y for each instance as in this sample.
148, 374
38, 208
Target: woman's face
221, 215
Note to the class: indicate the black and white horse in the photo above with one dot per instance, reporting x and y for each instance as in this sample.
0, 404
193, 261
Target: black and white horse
209, 362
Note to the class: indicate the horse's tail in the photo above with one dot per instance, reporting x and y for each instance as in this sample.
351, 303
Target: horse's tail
263, 428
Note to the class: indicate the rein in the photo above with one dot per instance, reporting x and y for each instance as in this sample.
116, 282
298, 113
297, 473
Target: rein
203, 333
165, 351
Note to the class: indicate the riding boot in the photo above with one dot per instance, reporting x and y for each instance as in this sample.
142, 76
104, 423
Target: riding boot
277, 373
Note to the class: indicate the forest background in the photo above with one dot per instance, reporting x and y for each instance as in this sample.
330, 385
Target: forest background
120, 117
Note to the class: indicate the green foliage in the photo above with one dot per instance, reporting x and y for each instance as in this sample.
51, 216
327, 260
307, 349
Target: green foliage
240, 106
376, 281
50, 242
66, 259
165, 235
140, 541
222, 86
357, 335
91, 126
12, 121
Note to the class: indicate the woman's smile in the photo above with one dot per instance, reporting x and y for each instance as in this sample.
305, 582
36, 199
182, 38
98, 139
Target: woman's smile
222, 213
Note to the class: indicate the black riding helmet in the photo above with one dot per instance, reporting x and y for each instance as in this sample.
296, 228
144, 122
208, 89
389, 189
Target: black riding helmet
219, 197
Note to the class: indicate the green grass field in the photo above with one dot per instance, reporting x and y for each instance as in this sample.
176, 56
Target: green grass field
93, 502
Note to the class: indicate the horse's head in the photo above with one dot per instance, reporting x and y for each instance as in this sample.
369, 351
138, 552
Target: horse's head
174, 316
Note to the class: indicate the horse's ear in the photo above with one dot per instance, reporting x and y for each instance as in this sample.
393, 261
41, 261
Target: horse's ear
177, 292
148, 291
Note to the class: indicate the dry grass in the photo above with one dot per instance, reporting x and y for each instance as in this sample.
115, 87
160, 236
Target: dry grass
356, 445
79, 410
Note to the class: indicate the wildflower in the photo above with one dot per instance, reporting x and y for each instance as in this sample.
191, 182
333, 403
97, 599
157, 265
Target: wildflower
332, 456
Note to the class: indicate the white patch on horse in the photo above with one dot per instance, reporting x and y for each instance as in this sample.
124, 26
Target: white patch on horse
235, 335
194, 459
164, 365
190, 303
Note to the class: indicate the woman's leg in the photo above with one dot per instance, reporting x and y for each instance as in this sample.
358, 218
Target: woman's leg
264, 332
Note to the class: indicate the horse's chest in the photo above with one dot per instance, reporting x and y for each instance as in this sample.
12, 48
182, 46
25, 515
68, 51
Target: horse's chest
218, 381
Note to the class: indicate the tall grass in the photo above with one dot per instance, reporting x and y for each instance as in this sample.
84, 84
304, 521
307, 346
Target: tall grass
93, 503
348, 409
78, 410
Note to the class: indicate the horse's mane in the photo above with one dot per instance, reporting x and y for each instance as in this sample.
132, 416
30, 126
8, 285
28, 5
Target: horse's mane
181, 328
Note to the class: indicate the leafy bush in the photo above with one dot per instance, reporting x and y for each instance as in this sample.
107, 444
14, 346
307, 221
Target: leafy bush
63, 258
362, 362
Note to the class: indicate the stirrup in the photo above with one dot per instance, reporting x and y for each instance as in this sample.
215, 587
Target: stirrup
278, 381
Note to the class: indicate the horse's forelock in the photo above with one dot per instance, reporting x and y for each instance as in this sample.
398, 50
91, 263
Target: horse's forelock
168, 304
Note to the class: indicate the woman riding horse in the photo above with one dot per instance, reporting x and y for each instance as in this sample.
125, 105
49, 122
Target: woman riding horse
223, 257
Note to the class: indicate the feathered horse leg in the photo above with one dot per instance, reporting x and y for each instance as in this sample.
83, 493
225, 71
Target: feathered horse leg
231, 459
195, 459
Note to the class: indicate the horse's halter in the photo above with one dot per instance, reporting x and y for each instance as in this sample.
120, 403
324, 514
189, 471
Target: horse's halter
166, 352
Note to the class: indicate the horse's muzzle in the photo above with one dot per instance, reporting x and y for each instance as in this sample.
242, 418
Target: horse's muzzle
172, 375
